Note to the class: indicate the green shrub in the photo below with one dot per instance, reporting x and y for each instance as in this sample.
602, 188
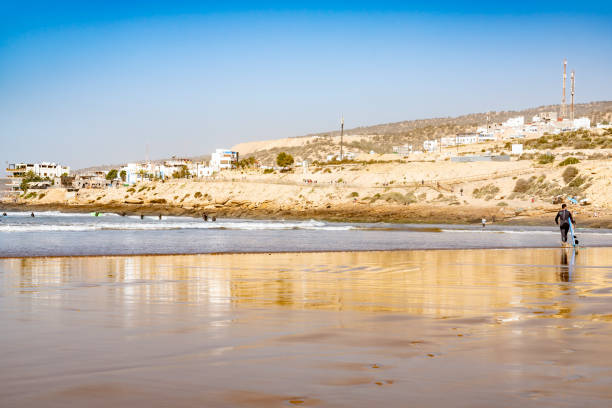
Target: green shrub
327, 171
569, 174
521, 186
41, 196
583, 144
487, 192
375, 197
502, 204
354, 194
158, 201
546, 158
284, 160
197, 195
577, 182
268, 171
568, 161
131, 190
399, 198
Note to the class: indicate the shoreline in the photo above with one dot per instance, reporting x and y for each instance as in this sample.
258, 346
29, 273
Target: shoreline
349, 213
331, 251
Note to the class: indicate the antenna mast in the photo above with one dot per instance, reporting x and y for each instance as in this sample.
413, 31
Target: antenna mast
572, 108
563, 109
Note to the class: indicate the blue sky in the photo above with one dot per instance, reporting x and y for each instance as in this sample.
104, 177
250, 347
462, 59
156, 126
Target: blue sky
87, 83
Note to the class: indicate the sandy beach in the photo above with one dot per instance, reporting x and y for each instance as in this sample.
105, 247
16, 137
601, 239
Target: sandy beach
521, 328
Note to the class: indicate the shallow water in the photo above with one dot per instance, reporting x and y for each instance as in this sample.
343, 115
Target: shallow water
54, 233
511, 327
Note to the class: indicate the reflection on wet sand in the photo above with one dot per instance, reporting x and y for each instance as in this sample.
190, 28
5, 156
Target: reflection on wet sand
462, 328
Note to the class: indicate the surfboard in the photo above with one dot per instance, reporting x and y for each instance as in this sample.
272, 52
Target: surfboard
573, 235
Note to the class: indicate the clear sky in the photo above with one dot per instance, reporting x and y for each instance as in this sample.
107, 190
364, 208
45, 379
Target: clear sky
94, 82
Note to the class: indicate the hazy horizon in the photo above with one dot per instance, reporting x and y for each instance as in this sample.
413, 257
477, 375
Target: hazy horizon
95, 83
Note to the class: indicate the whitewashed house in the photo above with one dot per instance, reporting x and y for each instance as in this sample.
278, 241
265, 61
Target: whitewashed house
581, 123
430, 145
223, 159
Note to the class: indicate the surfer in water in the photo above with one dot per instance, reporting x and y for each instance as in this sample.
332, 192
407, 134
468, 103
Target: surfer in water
564, 216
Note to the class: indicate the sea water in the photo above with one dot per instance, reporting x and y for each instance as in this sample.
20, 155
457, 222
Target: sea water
56, 234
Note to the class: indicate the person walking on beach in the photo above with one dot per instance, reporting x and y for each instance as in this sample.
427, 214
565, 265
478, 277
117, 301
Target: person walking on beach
564, 216
484, 222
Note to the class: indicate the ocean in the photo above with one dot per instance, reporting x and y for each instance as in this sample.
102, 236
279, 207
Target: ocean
70, 234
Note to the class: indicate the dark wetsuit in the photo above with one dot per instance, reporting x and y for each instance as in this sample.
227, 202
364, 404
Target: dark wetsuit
564, 216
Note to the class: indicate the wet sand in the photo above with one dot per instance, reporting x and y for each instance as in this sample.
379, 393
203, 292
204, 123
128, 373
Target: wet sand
467, 328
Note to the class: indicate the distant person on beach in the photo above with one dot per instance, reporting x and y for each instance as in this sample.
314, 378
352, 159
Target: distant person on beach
32, 215
141, 217
160, 217
214, 218
205, 217
4, 214
484, 222
562, 220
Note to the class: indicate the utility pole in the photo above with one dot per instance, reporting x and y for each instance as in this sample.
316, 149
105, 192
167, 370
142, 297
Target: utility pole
572, 108
341, 136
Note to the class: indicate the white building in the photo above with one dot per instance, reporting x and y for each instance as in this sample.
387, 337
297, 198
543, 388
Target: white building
405, 149
135, 172
201, 170
517, 148
223, 159
430, 145
16, 171
448, 141
518, 121
172, 166
486, 137
545, 117
582, 123
467, 138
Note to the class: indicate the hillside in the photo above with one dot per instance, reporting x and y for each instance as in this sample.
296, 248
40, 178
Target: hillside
381, 138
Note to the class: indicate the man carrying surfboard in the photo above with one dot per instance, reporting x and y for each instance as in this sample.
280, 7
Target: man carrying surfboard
565, 217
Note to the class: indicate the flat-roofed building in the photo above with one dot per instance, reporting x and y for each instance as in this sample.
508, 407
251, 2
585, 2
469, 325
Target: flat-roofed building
223, 159
467, 138
17, 171
430, 145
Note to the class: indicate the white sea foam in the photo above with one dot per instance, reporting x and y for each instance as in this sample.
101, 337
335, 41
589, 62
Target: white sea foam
172, 225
